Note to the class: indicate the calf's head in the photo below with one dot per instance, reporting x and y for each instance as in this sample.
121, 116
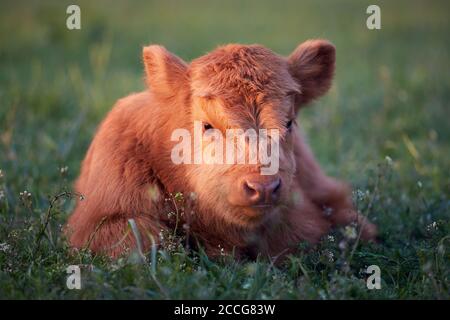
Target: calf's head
240, 103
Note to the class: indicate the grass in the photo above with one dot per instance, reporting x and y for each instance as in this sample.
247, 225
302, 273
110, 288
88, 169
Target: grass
383, 127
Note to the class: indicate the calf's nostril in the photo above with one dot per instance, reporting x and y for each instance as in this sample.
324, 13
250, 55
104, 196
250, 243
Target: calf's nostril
252, 189
276, 186
248, 187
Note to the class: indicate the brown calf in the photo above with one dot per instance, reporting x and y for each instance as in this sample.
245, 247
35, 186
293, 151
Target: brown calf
128, 171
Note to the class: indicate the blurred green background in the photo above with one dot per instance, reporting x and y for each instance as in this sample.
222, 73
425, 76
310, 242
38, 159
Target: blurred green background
390, 98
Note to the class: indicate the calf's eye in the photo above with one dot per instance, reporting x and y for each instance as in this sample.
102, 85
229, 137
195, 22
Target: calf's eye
289, 125
207, 126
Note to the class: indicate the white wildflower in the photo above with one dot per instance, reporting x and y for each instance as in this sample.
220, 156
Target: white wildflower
4, 247
25, 194
222, 251
359, 194
350, 232
432, 226
388, 160
328, 255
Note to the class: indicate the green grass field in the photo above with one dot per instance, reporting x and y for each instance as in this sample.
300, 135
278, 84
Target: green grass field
384, 126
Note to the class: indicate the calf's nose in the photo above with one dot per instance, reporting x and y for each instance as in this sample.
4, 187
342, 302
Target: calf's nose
261, 192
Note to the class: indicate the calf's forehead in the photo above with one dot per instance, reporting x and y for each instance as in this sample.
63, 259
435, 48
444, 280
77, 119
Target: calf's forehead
249, 72
249, 84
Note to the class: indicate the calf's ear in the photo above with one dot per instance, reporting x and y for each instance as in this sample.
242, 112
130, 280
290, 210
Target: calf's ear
165, 72
312, 66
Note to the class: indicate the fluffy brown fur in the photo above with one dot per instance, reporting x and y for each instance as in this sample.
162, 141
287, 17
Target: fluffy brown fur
128, 172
